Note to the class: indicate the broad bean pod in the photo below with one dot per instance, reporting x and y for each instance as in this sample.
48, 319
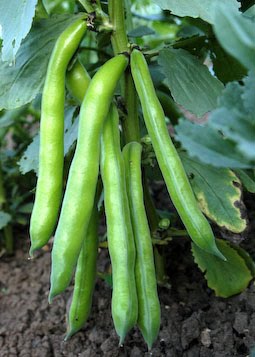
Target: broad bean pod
82, 179
168, 159
146, 284
51, 157
119, 228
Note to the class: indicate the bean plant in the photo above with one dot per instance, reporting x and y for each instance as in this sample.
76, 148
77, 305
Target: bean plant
133, 93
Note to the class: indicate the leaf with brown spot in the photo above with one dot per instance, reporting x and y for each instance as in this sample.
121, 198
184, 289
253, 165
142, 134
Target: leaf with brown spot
218, 192
226, 278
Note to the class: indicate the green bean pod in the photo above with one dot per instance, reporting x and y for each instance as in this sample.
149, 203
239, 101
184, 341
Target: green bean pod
85, 276
146, 284
168, 159
119, 228
83, 174
51, 156
77, 81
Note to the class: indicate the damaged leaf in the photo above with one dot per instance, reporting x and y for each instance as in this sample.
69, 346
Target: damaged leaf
218, 193
226, 278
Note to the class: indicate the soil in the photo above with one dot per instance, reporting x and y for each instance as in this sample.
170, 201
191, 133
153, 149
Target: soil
194, 322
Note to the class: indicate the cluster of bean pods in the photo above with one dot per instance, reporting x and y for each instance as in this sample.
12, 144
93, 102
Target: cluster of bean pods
98, 152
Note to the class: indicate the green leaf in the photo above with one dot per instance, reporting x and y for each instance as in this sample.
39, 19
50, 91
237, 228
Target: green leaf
190, 82
246, 257
226, 67
208, 145
5, 218
30, 158
21, 83
247, 181
238, 127
16, 19
217, 192
235, 32
226, 278
141, 31
249, 94
195, 8
228, 137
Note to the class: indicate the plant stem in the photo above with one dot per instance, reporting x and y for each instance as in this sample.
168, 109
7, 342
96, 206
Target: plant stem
153, 218
8, 238
119, 36
87, 6
120, 44
129, 17
130, 124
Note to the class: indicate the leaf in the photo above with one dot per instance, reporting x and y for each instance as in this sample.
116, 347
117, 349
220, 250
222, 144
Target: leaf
15, 19
226, 278
208, 146
195, 8
247, 181
20, 83
30, 158
236, 126
228, 137
246, 257
217, 192
190, 82
5, 218
249, 94
226, 67
141, 31
235, 32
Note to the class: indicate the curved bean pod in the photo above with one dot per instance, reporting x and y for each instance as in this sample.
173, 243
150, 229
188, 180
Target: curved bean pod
119, 229
146, 284
51, 157
83, 174
168, 159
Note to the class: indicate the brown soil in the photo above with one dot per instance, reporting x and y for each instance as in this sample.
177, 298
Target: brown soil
194, 321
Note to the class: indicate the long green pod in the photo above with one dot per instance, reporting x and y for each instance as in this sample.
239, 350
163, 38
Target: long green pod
51, 157
85, 276
119, 229
83, 174
146, 284
77, 81
168, 159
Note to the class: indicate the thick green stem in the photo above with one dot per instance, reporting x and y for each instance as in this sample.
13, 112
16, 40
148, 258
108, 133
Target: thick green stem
8, 238
119, 36
129, 17
130, 124
120, 44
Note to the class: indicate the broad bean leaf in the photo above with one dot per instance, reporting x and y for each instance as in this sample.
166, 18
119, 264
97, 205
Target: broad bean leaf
226, 278
226, 67
30, 159
217, 192
195, 8
15, 20
141, 31
208, 145
228, 137
236, 33
5, 218
190, 82
21, 82
247, 181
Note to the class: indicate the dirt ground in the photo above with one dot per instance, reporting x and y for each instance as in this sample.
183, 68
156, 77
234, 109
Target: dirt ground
194, 322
